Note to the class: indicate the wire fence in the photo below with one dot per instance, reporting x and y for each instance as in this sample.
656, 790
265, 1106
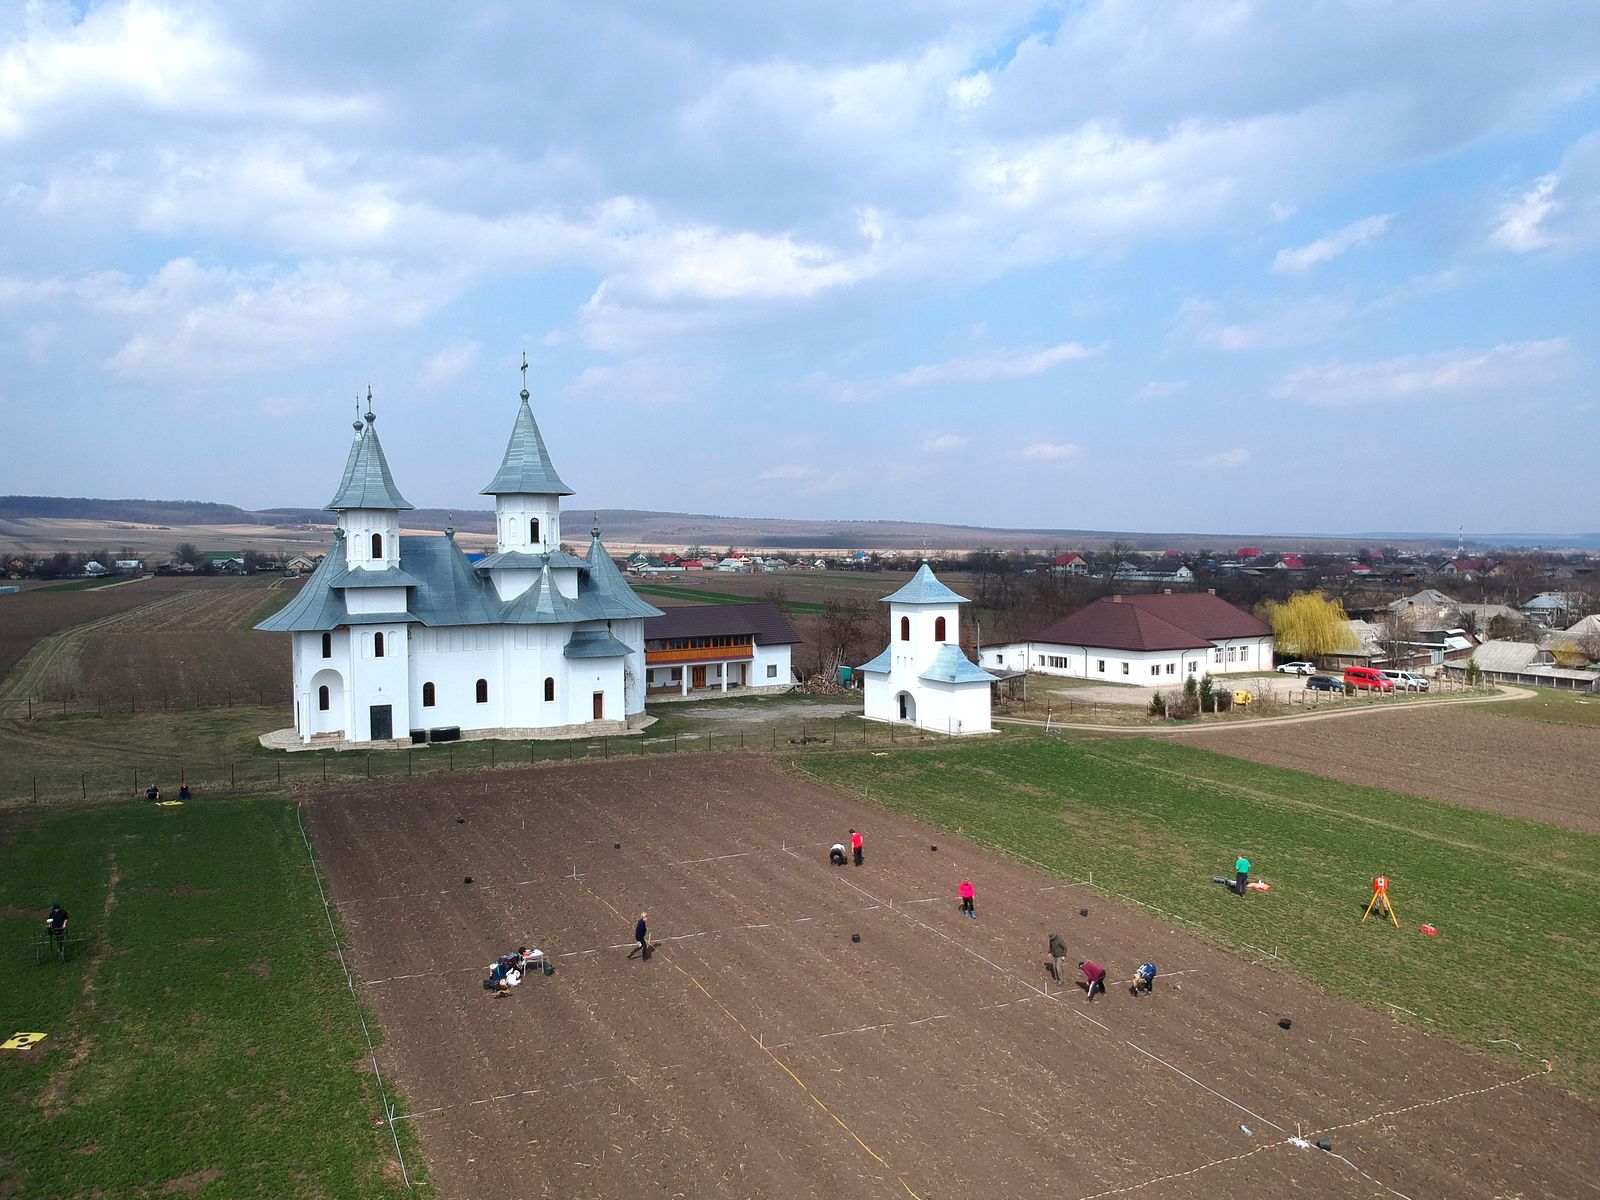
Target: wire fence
202, 774
169, 774
38, 706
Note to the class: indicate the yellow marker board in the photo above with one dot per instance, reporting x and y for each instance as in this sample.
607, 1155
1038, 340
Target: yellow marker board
21, 1041
169, 803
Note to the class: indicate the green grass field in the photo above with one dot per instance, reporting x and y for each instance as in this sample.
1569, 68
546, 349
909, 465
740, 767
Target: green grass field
1555, 708
1515, 903
202, 1039
704, 597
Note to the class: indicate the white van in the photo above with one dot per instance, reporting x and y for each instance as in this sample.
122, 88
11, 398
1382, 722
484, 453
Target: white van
1407, 681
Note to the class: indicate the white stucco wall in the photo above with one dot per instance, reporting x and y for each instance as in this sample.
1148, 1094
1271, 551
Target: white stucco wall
513, 523
359, 524
1229, 656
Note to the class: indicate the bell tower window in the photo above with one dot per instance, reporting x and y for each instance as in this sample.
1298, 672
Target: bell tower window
533, 531
938, 629
377, 545
377, 645
905, 629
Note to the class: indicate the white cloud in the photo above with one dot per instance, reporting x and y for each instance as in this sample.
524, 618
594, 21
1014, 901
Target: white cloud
807, 480
944, 443
648, 380
995, 364
1314, 318
1226, 460
1052, 451
1560, 210
449, 364
1325, 249
1160, 389
1506, 371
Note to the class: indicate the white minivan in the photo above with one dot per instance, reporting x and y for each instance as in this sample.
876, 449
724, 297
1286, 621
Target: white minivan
1407, 681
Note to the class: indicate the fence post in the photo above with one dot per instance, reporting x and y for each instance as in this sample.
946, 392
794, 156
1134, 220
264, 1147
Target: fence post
452, 759
83, 785
324, 769
232, 777
36, 789
369, 764
280, 772
491, 752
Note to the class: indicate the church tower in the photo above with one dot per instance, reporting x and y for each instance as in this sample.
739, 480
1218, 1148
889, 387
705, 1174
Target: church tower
527, 491
368, 503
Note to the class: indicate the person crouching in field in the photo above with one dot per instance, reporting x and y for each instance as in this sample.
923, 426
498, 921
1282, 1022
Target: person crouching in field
836, 854
1144, 979
1094, 979
966, 893
506, 973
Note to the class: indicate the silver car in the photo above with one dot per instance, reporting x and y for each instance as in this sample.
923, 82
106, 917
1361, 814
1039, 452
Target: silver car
1407, 681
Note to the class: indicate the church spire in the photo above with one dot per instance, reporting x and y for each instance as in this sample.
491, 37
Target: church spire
526, 469
366, 482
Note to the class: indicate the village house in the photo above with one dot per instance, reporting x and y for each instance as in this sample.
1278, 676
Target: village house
1147, 640
694, 650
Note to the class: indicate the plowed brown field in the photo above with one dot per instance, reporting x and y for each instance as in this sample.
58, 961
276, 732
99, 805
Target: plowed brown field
763, 1053
1543, 772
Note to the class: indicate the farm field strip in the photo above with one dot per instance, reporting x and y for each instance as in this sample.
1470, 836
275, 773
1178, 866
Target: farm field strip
60, 650
672, 1078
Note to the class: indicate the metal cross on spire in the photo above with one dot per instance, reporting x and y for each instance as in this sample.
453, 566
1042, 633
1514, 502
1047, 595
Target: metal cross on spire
524, 374
371, 416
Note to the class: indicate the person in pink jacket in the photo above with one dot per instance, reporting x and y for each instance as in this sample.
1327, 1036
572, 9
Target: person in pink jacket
966, 893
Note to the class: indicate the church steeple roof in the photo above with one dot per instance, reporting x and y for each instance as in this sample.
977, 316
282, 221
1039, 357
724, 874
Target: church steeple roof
526, 468
366, 482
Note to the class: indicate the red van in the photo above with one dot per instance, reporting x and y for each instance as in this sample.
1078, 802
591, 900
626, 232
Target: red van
1367, 679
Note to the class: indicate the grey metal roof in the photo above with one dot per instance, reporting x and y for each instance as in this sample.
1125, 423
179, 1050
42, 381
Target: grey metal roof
446, 590
881, 664
364, 577
952, 666
522, 560
594, 643
526, 467
925, 588
766, 625
603, 589
366, 482
543, 604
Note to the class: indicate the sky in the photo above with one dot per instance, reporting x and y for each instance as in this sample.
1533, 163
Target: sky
1142, 266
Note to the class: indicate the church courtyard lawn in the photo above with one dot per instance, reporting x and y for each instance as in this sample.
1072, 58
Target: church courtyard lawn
1515, 902
202, 1038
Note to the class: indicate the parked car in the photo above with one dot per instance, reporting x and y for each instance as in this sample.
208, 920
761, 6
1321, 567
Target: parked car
1367, 679
1298, 668
1324, 683
1407, 681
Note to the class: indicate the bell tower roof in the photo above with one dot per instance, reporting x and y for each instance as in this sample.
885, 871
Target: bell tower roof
366, 482
526, 468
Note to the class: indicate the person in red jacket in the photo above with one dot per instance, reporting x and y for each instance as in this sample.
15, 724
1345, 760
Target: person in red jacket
966, 893
1094, 976
855, 845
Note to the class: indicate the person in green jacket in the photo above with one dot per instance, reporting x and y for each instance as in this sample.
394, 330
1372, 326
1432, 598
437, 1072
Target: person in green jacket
1242, 874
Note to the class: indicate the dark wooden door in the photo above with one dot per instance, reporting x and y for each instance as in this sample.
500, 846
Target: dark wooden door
382, 722
599, 706
699, 677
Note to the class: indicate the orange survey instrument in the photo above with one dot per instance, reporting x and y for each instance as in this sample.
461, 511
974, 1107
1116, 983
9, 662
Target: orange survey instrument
1380, 901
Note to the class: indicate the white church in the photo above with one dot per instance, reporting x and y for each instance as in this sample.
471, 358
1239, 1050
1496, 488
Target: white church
395, 636
923, 678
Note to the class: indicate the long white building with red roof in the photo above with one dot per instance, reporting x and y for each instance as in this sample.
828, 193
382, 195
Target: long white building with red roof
1147, 640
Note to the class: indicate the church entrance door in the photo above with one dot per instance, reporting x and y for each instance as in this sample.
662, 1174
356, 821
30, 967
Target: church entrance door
382, 716
599, 706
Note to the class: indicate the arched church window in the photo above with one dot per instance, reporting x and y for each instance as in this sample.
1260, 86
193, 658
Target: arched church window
905, 629
483, 691
938, 629
427, 695
549, 688
377, 545
322, 698
533, 530
377, 645
327, 645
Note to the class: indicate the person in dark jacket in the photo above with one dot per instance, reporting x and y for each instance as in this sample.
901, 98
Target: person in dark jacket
1058, 951
641, 935
55, 924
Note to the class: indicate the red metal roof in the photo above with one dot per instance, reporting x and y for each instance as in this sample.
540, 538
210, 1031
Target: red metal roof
1185, 621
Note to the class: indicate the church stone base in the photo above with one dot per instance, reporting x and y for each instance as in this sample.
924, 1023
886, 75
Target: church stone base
288, 740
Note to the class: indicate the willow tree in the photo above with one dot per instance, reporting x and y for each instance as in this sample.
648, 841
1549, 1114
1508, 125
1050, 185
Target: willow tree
1311, 626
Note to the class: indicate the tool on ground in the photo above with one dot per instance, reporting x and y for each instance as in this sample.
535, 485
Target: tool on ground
1380, 901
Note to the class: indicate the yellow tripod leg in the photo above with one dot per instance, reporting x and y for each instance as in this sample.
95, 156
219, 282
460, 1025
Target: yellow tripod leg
1393, 916
1370, 903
